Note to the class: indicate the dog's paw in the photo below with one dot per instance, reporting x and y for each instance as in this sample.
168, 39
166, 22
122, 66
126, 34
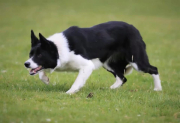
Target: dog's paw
112, 87
70, 91
115, 85
158, 89
45, 80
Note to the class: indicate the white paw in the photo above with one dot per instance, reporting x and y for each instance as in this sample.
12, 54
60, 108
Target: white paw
158, 89
114, 86
70, 91
45, 80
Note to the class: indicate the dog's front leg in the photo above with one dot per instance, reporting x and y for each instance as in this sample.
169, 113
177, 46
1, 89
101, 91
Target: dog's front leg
43, 77
83, 75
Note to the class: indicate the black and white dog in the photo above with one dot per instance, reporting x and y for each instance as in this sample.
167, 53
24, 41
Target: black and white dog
117, 46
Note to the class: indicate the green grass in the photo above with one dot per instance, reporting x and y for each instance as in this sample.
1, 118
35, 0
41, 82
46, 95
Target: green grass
25, 99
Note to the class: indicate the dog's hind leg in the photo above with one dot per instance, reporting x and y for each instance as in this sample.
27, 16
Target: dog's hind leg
157, 82
118, 69
117, 83
140, 62
151, 70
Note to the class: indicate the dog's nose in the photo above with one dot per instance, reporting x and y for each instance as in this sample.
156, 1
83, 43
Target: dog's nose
27, 64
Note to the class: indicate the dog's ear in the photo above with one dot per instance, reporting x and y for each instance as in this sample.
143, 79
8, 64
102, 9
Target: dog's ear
44, 41
34, 39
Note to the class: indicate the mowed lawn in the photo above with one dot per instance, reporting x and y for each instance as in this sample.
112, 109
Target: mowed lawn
25, 99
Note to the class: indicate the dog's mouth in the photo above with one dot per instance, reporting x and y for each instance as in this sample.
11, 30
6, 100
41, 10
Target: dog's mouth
35, 70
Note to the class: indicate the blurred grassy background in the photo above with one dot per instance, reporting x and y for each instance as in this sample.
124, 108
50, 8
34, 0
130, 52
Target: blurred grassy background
24, 98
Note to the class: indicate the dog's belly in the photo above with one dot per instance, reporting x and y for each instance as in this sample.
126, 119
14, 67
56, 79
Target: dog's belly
66, 68
72, 67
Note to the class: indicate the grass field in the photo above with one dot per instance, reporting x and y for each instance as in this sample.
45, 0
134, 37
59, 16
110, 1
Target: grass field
25, 99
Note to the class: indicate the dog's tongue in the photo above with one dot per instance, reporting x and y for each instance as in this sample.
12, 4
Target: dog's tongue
34, 71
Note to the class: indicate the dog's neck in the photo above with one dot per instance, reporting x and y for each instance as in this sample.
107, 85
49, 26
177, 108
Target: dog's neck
61, 43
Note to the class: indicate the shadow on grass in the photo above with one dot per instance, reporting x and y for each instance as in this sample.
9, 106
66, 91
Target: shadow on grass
63, 87
36, 87
48, 88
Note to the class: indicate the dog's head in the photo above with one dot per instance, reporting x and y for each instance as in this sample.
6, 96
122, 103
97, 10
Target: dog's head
43, 54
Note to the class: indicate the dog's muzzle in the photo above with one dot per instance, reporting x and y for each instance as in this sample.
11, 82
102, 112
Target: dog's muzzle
33, 71
27, 64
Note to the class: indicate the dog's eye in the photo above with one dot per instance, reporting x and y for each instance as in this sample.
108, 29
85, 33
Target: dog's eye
39, 56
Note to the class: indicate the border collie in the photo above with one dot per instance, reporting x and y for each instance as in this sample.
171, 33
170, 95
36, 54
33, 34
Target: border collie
117, 46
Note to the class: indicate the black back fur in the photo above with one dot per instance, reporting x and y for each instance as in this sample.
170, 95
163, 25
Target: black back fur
118, 42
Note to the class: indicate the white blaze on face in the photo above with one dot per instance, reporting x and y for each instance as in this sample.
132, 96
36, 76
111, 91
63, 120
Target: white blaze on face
32, 63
